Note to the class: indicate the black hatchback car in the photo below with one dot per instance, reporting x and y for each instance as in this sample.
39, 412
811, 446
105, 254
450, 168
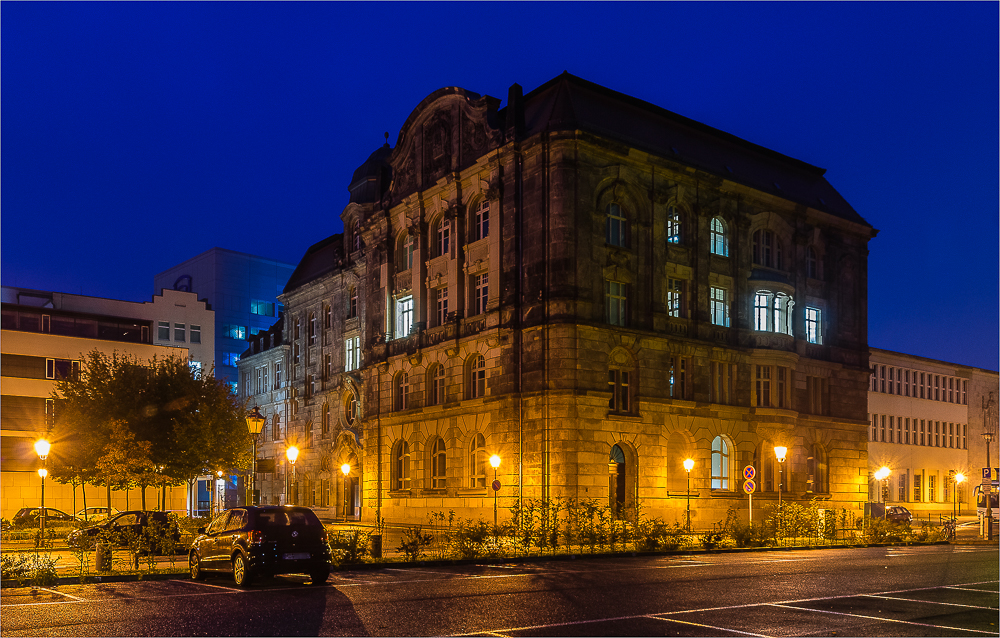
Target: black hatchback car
150, 528
262, 541
28, 516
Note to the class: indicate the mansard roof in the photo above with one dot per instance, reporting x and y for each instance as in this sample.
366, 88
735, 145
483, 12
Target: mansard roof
568, 103
321, 258
372, 178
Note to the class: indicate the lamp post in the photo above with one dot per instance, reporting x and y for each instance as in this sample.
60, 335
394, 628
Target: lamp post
779, 453
42, 448
291, 454
255, 421
495, 462
215, 491
989, 433
882, 476
346, 469
954, 496
688, 464
959, 479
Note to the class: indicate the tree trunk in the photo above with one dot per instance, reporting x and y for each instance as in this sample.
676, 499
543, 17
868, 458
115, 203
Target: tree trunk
143, 497
73, 513
109, 499
83, 485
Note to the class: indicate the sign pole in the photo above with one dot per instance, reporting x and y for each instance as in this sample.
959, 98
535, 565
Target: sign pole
749, 486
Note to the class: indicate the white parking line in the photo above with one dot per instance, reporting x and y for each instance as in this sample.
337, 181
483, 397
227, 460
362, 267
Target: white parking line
720, 629
53, 591
198, 582
904, 622
927, 602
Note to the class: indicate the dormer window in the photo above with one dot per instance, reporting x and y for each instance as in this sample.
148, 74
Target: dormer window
767, 249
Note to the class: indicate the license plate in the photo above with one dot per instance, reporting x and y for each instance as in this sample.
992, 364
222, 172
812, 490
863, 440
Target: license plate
297, 556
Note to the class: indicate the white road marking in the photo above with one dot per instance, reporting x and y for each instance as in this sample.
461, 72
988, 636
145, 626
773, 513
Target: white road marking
53, 591
928, 602
904, 622
203, 584
695, 624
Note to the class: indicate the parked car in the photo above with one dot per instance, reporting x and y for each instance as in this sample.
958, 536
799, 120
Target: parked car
124, 525
95, 514
28, 516
262, 541
898, 514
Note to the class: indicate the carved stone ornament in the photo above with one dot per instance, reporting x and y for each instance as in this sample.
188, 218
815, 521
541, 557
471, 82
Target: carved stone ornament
415, 358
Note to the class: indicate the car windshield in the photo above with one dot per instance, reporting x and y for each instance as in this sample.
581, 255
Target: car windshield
280, 518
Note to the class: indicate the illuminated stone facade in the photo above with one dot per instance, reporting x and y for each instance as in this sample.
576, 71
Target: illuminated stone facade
594, 289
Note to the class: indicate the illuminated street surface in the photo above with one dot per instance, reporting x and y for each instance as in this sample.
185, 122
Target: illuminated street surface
880, 591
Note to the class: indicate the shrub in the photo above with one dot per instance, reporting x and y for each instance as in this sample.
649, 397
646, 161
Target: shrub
350, 548
413, 543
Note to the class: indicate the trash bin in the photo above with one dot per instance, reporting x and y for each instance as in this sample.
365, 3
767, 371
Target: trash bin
376, 540
103, 552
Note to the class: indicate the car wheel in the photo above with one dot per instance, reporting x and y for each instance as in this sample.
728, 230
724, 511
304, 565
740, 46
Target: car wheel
319, 577
241, 571
195, 564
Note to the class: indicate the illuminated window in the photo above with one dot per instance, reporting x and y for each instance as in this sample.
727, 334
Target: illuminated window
404, 316
673, 225
719, 307
352, 353
263, 308
814, 327
772, 312
675, 298
720, 464
616, 226
717, 236
477, 461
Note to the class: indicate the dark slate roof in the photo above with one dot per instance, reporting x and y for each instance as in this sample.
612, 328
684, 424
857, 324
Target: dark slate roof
568, 103
372, 178
320, 259
262, 340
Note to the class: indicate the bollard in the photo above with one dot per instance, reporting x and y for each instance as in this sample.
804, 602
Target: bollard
103, 551
376, 549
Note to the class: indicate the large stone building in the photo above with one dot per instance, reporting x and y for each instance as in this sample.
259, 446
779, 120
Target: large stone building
592, 288
926, 426
45, 335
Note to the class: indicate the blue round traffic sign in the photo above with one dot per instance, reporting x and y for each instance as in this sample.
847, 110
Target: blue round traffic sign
749, 472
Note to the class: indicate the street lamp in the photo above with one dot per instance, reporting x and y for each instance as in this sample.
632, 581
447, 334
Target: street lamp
959, 479
291, 454
954, 497
688, 464
779, 453
255, 421
346, 469
495, 462
215, 490
42, 448
882, 476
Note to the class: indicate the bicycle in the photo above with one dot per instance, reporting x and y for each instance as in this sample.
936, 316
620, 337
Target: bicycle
949, 529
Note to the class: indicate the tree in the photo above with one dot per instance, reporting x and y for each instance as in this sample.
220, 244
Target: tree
146, 415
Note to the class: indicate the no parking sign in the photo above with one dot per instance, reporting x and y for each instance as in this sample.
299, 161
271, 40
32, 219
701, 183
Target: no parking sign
749, 486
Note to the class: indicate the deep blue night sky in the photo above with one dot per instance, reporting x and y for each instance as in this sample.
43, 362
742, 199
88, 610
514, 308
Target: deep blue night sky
135, 136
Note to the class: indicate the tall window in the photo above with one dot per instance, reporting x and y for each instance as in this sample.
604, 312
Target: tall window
673, 225
720, 464
477, 377
442, 306
763, 386
401, 466
618, 384
401, 391
276, 427
356, 231
477, 461
327, 316
443, 237
481, 220
719, 307
436, 378
352, 353
814, 327
679, 378
439, 467
325, 427
406, 252
675, 298
772, 312
277, 375
404, 316
480, 292
812, 263
723, 377
717, 237
766, 249
617, 226
616, 302
312, 329
819, 470
352, 303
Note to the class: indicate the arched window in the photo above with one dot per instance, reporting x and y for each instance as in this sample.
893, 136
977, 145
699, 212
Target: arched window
673, 225
401, 391
435, 384
812, 263
312, 328
819, 470
480, 221
720, 243
352, 302
477, 461
350, 408
438, 464
326, 420
443, 234
619, 492
401, 466
720, 464
766, 249
404, 259
617, 226
772, 312
477, 377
